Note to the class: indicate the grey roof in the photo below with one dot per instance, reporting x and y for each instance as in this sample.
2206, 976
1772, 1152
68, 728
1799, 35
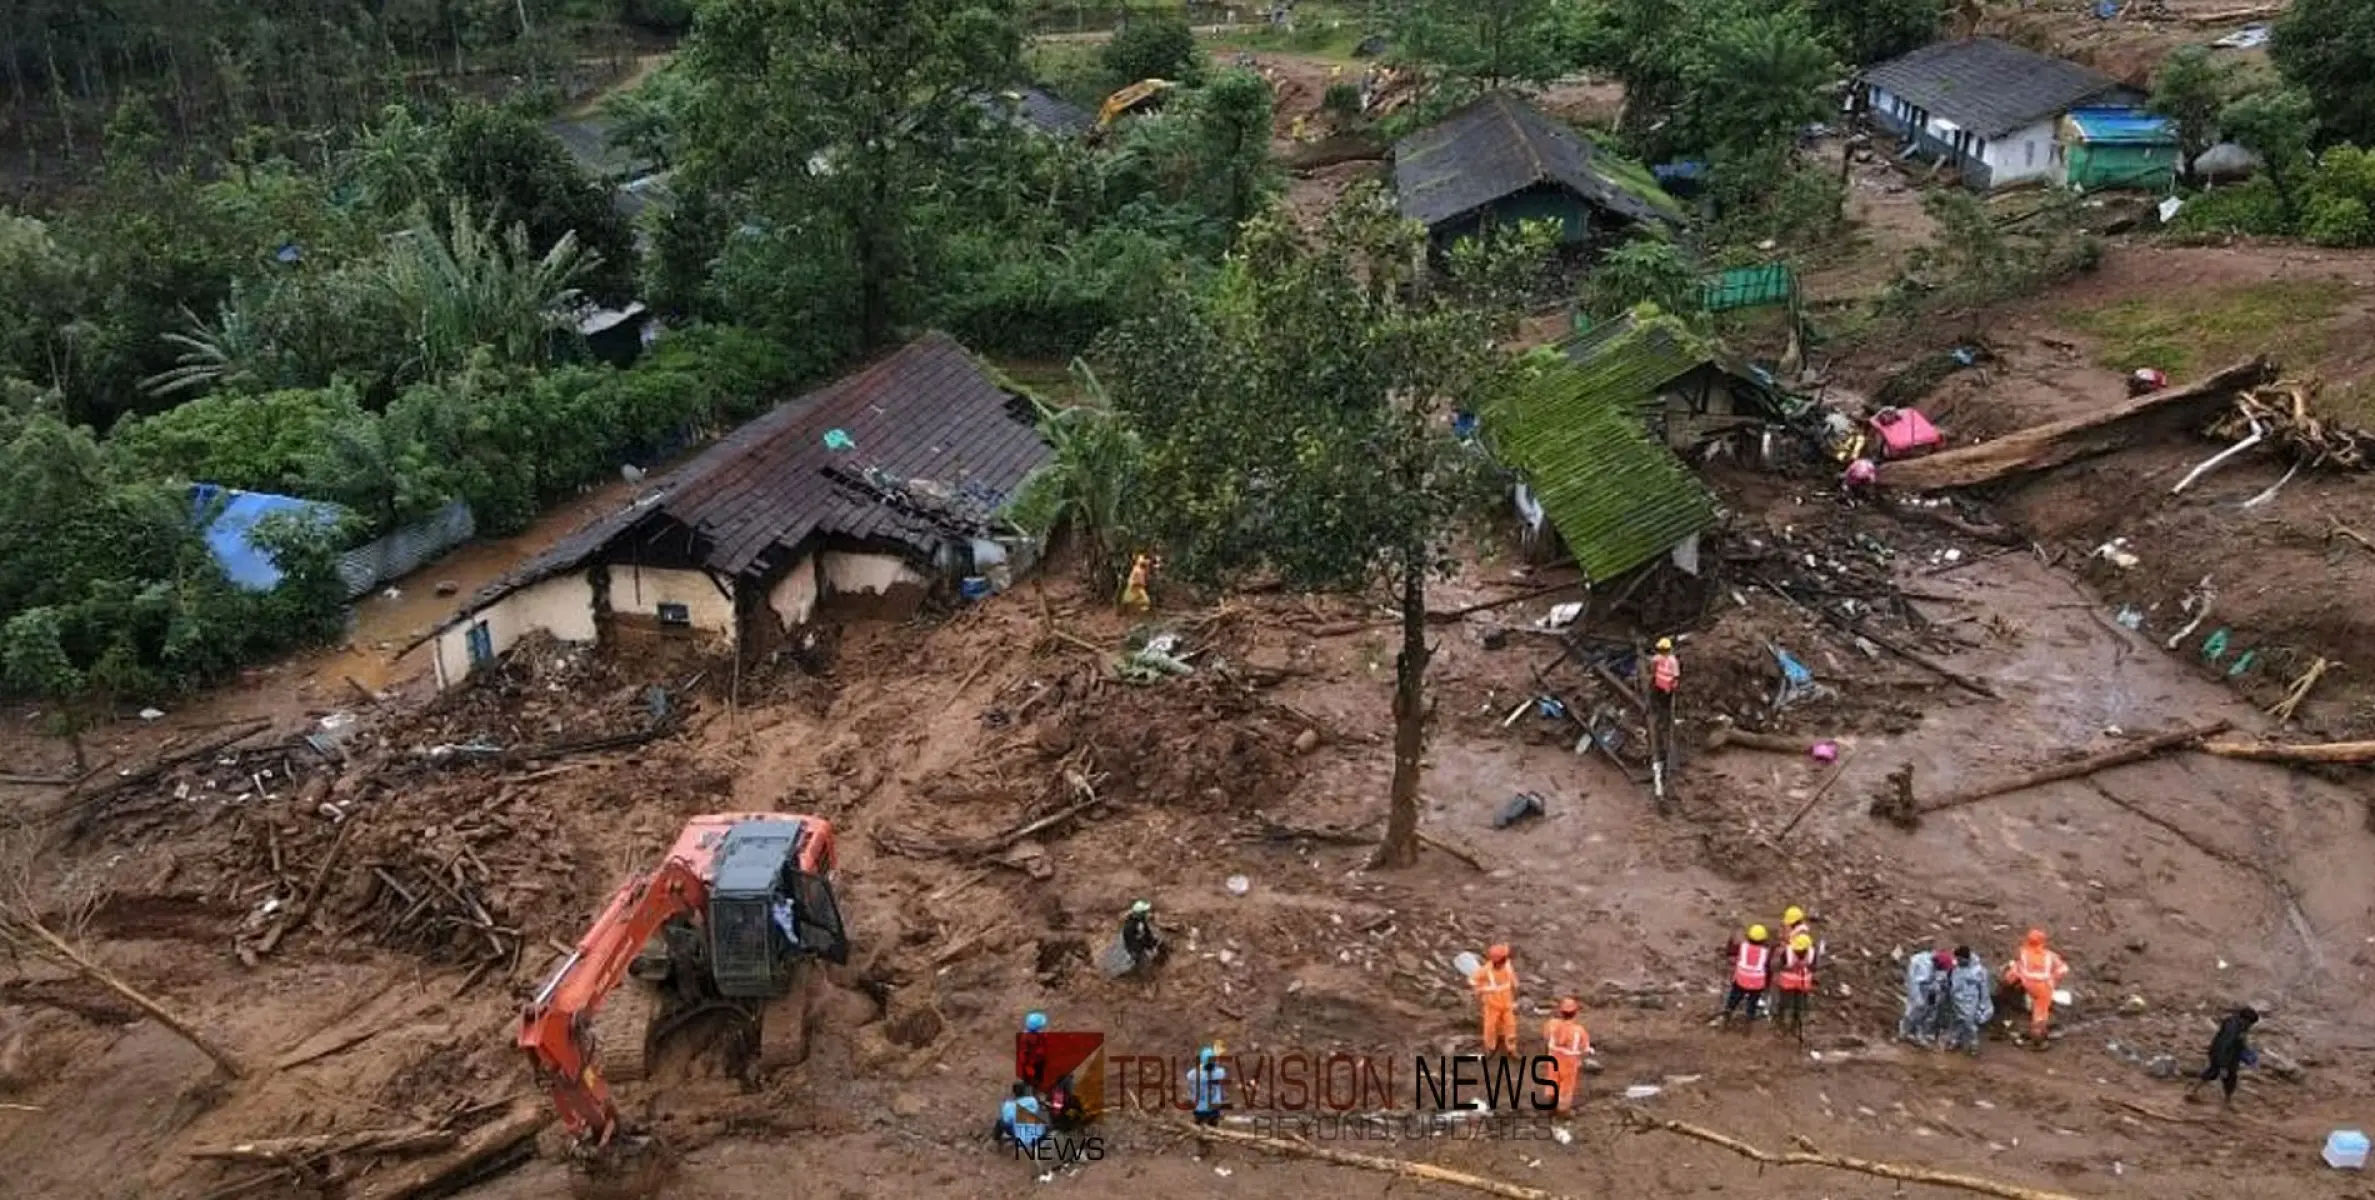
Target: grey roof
1987, 86
934, 444
1040, 109
1500, 146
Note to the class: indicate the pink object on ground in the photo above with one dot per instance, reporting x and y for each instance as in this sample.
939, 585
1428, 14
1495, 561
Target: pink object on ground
1825, 751
1861, 473
1902, 431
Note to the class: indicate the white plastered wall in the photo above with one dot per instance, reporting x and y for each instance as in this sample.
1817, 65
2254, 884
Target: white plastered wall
562, 606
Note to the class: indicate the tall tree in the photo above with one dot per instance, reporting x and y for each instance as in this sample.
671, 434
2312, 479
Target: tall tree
839, 118
513, 172
1862, 32
2326, 48
1295, 419
1752, 78
1153, 45
2189, 89
2279, 125
1488, 43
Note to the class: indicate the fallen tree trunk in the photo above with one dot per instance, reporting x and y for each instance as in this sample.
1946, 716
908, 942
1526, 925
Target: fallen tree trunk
1808, 1156
480, 1150
2278, 752
2079, 768
1371, 1162
36, 938
2045, 446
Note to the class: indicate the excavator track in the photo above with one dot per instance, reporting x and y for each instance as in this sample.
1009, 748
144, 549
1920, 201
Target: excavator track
622, 1032
783, 1023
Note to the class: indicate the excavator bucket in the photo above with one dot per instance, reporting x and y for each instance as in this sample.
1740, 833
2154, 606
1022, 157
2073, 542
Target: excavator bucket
633, 1166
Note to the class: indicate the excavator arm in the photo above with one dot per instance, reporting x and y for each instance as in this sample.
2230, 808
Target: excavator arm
555, 1026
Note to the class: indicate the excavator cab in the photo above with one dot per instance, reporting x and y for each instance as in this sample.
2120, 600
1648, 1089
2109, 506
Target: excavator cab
770, 904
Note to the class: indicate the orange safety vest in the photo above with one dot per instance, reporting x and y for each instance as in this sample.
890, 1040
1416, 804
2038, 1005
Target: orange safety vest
1797, 971
1665, 672
1495, 986
2039, 969
1748, 966
1567, 1038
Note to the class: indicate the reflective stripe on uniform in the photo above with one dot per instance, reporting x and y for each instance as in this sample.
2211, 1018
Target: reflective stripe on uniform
1496, 981
2038, 969
1570, 1040
1748, 967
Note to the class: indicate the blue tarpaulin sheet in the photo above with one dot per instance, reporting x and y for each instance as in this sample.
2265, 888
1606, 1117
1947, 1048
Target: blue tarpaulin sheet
231, 531
2122, 126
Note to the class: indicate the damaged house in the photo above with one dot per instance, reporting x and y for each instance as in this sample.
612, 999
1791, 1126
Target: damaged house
1501, 160
1683, 387
866, 495
1592, 477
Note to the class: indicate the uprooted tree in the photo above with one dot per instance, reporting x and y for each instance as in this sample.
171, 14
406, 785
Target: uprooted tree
1296, 420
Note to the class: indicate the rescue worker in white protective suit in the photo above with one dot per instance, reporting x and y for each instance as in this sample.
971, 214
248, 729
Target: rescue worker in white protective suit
1925, 990
1970, 999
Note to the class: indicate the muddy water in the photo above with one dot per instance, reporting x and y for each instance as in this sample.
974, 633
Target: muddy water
387, 619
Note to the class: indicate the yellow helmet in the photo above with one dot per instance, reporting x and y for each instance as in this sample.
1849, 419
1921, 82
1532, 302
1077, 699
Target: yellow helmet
1792, 915
1665, 644
1756, 933
1802, 943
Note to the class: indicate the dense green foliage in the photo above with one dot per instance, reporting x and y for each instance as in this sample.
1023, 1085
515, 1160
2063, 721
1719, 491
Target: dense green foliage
1485, 44
1153, 45
2190, 89
2326, 48
1863, 32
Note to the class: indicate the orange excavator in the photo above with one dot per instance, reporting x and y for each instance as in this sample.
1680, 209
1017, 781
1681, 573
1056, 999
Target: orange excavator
733, 919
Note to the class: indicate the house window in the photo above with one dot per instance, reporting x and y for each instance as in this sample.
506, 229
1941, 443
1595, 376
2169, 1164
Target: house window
675, 614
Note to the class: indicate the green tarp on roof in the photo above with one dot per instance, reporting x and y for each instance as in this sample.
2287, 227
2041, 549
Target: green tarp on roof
1574, 432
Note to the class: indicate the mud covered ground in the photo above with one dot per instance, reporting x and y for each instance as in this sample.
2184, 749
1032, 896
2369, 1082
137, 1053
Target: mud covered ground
2176, 888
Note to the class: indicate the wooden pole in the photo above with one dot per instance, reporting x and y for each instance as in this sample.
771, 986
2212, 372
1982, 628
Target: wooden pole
2277, 752
1370, 1162
2136, 753
59, 950
1808, 1156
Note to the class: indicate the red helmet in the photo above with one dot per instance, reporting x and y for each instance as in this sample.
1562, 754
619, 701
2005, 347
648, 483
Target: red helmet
1568, 1007
1499, 953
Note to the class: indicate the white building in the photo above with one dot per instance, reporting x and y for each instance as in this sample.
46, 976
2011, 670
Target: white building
1988, 107
868, 493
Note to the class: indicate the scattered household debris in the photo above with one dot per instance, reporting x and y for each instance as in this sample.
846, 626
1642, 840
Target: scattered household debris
1524, 806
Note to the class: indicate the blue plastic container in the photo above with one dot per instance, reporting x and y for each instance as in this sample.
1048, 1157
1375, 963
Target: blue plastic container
974, 587
2346, 1150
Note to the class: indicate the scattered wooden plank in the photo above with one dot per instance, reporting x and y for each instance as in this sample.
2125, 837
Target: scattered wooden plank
1371, 1162
1726, 735
1807, 1156
2079, 768
1813, 800
479, 1152
81, 797
2294, 755
1446, 617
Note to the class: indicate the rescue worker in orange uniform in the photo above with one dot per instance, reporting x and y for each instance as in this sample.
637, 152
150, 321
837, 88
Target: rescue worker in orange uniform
1496, 993
1568, 1044
2038, 971
1134, 597
1750, 957
1797, 985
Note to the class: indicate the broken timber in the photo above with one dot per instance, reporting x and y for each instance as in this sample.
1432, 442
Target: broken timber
2080, 768
1807, 1156
2278, 752
2043, 447
1726, 735
1370, 1162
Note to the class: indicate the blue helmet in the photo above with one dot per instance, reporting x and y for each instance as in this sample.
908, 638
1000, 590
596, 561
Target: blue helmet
1035, 1023
1206, 1056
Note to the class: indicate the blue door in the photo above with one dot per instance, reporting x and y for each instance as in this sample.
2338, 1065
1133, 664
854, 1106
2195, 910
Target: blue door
482, 645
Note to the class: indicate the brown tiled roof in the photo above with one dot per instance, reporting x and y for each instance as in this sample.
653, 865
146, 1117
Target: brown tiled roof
927, 424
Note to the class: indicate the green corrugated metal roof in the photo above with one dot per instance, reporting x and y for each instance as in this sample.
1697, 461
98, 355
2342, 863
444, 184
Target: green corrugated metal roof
1574, 432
